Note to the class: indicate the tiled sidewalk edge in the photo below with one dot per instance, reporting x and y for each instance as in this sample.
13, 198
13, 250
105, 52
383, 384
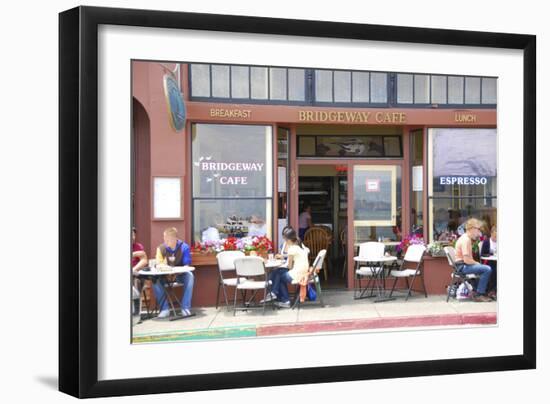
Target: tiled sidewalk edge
378, 323
321, 326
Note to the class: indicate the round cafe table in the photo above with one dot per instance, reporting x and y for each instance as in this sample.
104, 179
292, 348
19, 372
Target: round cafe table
273, 264
378, 274
168, 286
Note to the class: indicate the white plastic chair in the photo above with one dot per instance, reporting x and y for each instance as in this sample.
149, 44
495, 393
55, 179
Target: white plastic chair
414, 255
457, 277
226, 263
368, 252
249, 270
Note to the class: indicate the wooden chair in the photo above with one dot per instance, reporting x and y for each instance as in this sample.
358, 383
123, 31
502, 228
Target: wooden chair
317, 239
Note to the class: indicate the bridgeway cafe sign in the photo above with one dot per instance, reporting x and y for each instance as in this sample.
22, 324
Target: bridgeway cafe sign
228, 173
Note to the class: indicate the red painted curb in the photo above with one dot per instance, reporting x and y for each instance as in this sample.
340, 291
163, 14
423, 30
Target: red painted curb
377, 323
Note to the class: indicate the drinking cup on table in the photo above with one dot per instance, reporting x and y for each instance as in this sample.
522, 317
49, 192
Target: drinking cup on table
270, 257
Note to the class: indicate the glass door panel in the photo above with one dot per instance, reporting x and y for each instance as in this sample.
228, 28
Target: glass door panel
377, 202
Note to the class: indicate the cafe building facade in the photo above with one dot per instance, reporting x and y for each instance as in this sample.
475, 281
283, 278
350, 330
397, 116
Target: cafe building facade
235, 150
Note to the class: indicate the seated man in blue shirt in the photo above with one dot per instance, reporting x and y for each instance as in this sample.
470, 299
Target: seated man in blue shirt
175, 252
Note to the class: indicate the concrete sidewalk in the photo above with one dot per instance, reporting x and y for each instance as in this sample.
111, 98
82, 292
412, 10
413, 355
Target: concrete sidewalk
341, 313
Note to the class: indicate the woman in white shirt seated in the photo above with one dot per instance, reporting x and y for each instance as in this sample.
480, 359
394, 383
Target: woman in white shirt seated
298, 266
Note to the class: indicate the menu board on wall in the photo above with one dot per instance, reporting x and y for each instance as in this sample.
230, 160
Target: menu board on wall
167, 198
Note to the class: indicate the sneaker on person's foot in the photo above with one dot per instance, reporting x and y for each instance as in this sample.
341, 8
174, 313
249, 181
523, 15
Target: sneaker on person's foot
269, 297
283, 305
164, 313
492, 294
481, 298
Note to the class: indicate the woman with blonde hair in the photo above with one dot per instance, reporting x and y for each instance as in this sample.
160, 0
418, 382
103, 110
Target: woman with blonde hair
466, 263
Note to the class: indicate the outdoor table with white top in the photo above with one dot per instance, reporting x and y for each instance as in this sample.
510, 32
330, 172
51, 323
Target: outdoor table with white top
167, 286
378, 274
489, 258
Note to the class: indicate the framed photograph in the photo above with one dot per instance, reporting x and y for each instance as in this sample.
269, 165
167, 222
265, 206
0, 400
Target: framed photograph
250, 201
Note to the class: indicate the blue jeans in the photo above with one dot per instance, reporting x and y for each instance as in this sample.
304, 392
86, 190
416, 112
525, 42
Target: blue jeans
279, 280
478, 269
187, 279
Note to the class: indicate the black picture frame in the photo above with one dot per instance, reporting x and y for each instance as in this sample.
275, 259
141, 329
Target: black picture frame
78, 195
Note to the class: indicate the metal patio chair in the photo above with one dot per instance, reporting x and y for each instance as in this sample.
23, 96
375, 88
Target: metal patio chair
313, 278
415, 256
457, 277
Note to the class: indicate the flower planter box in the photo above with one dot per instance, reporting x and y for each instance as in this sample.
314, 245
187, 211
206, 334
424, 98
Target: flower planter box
439, 254
203, 259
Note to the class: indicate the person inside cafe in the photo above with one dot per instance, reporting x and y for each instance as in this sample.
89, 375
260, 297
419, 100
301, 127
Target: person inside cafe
175, 252
465, 262
257, 226
489, 247
304, 221
297, 268
441, 222
211, 232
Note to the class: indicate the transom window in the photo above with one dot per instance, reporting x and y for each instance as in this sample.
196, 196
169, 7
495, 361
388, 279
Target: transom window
360, 146
323, 87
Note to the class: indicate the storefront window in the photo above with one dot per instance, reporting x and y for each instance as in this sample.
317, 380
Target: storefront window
259, 82
421, 89
323, 85
426, 89
439, 89
463, 180
456, 90
239, 82
200, 80
379, 88
377, 202
342, 86
232, 181
360, 87
489, 90
473, 90
296, 88
220, 81
277, 83
405, 88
